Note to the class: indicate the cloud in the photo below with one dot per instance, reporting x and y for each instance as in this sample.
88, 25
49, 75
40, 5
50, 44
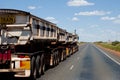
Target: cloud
112, 34
117, 21
94, 26
98, 34
75, 19
51, 19
108, 18
118, 16
32, 7
79, 3
86, 35
109, 31
80, 30
93, 13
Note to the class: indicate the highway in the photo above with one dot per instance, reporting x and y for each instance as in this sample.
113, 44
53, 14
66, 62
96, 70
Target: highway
89, 63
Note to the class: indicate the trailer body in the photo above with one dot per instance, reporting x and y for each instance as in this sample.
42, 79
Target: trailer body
28, 43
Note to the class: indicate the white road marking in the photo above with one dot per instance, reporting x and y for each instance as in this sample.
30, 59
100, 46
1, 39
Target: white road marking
108, 56
71, 67
78, 58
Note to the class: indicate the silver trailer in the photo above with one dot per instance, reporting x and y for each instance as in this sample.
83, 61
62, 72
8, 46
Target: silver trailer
28, 43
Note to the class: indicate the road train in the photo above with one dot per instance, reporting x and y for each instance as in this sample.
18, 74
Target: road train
29, 44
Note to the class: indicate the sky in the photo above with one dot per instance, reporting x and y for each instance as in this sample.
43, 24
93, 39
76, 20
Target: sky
93, 20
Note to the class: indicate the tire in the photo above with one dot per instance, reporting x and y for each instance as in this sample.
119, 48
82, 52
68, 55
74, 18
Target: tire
33, 68
51, 65
57, 57
38, 66
62, 56
42, 64
54, 60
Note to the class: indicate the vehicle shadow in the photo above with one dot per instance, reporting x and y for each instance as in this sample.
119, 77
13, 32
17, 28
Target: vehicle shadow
10, 76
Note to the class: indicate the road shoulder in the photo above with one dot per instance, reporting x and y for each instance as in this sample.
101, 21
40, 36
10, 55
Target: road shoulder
114, 54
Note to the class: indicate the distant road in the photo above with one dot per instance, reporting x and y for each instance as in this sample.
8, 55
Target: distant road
89, 63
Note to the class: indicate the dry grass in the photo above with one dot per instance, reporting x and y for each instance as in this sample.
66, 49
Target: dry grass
117, 53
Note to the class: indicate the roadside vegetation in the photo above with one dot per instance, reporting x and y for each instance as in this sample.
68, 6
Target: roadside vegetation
82, 42
115, 45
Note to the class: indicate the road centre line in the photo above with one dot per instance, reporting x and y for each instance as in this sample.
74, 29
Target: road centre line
78, 58
71, 67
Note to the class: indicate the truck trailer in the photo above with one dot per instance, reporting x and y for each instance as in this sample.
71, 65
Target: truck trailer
29, 44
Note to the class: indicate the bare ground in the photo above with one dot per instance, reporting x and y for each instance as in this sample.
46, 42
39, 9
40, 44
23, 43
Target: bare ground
117, 53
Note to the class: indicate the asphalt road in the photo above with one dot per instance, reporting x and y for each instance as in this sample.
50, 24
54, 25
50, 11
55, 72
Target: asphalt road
89, 63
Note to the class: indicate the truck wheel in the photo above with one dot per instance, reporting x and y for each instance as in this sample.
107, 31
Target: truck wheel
57, 58
42, 64
54, 60
33, 68
38, 66
62, 56
71, 51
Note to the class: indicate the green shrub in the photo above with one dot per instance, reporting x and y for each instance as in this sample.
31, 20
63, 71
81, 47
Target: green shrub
115, 43
115, 46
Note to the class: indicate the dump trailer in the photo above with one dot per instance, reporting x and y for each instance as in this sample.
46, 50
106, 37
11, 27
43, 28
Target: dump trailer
28, 43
